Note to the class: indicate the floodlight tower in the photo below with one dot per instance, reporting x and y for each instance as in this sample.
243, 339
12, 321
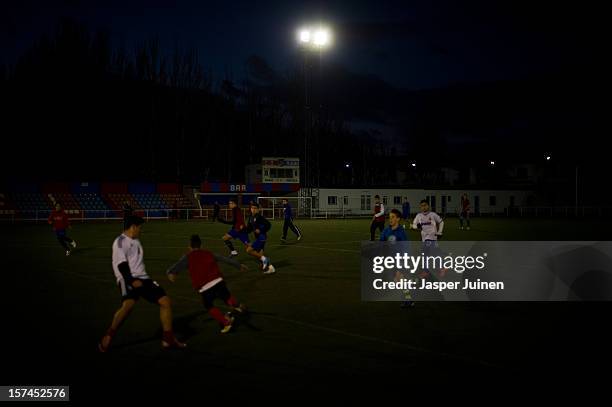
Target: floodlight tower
312, 41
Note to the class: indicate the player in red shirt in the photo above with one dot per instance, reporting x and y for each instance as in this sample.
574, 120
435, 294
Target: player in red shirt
60, 222
378, 220
238, 230
206, 278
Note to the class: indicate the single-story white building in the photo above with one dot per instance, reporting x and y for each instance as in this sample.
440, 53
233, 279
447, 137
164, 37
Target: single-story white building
361, 201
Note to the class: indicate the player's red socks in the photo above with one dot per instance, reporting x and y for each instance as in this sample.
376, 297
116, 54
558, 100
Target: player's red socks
233, 302
168, 337
218, 315
169, 341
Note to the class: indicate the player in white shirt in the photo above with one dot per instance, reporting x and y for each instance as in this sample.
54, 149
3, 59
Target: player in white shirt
134, 282
431, 226
429, 223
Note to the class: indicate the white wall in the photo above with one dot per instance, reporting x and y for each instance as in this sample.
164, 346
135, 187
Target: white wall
353, 201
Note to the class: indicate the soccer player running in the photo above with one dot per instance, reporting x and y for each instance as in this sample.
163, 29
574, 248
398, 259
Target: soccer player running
238, 230
259, 226
396, 233
288, 224
206, 278
60, 222
431, 226
464, 215
378, 220
134, 282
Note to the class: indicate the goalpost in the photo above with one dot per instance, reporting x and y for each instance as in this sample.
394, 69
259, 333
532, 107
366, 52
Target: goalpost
272, 206
206, 201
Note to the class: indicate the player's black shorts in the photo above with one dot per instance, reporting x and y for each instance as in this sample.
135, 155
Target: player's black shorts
218, 290
377, 225
150, 291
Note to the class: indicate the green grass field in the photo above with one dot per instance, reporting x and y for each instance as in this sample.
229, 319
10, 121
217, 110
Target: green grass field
307, 327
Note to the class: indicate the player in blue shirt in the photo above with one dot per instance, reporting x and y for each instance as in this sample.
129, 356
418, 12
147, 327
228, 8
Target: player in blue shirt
394, 232
288, 224
259, 226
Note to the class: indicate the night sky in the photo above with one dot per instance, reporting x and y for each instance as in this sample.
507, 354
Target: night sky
467, 77
409, 44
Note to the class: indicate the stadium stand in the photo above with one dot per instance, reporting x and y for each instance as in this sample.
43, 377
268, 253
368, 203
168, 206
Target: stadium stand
172, 199
150, 201
92, 205
65, 199
6, 209
30, 201
93, 200
116, 201
90, 202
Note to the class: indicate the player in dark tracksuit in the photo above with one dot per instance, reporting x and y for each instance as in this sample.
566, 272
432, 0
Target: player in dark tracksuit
288, 224
406, 210
216, 210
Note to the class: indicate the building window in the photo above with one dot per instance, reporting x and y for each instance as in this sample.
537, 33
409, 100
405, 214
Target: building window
332, 200
385, 199
345, 201
397, 200
492, 200
365, 202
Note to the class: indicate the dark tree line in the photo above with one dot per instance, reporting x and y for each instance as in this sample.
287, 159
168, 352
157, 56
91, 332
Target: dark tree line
82, 109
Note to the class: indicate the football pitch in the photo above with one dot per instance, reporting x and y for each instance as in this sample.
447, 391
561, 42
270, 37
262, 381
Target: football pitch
307, 324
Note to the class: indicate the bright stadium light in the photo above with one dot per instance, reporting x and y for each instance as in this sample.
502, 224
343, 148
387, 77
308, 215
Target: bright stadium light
304, 36
321, 38
347, 165
413, 164
492, 162
318, 38
548, 158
